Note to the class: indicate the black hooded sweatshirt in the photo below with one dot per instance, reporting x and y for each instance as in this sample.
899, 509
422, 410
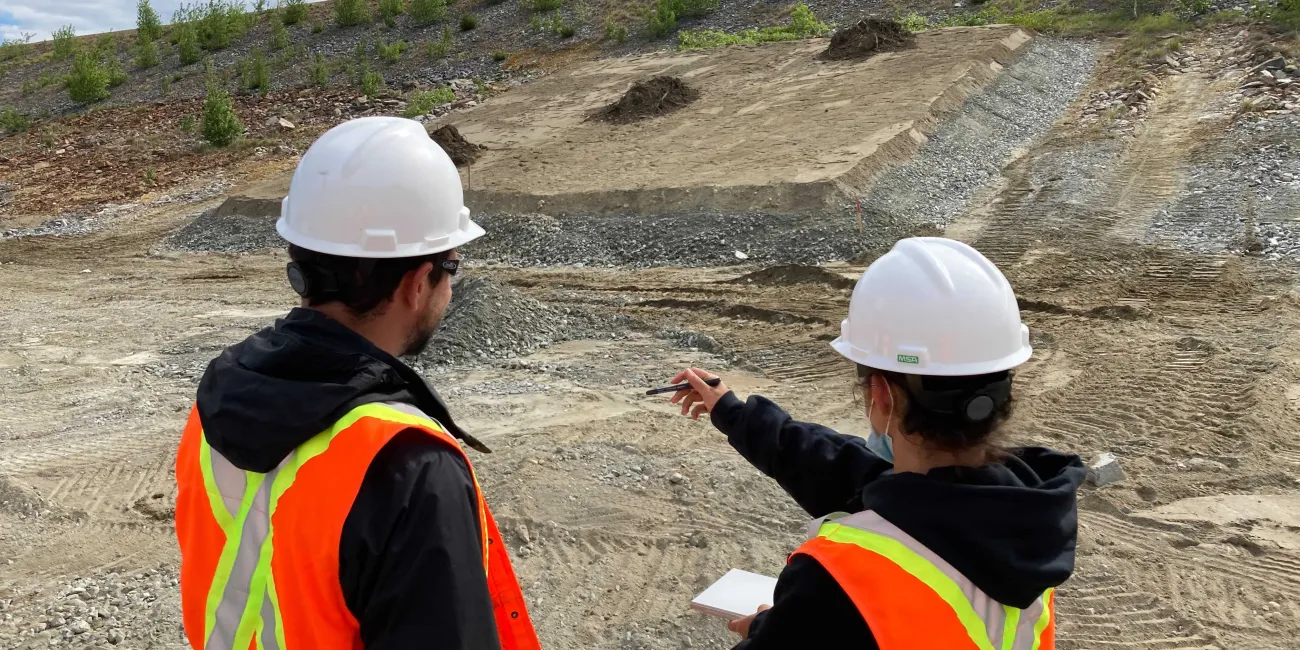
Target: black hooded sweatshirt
410, 555
1010, 527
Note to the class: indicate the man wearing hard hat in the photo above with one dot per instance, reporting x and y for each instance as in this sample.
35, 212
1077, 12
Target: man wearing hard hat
324, 501
953, 542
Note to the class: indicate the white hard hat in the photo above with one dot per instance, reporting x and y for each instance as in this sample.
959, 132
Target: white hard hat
376, 187
934, 306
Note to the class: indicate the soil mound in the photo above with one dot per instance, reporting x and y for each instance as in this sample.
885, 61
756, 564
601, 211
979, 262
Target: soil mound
657, 96
794, 274
866, 38
489, 320
462, 151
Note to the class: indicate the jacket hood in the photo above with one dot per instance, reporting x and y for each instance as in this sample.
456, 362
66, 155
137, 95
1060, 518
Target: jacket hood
1010, 527
263, 397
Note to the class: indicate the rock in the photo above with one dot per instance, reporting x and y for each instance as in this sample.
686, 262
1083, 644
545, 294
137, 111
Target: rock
741, 256
676, 479
1105, 470
79, 626
1277, 63
1173, 63
286, 125
115, 636
272, 121
40, 165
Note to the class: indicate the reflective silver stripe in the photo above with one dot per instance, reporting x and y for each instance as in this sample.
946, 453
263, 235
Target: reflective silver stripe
230, 482
252, 536
269, 642
993, 613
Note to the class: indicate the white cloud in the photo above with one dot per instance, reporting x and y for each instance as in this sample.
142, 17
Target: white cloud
42, 17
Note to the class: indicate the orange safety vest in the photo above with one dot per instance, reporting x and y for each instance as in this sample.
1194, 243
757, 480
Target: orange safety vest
260, 552
912, 599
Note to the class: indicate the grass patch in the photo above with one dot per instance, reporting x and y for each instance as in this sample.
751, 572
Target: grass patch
295, 11
422, 102
116, 75
389, 10
317, 27
348, 13
372, 82
441, 47
15, 48
319, 73
218, 24
547, 5
427, 12
12, 121
803, 24
279, 35
500, 55
146, 54
615, 30
259, 77
468, 22
391, 52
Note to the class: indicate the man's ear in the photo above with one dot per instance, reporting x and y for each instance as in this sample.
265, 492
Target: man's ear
413, 291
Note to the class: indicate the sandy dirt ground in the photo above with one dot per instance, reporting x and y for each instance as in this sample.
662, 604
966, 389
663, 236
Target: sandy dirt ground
1186, 365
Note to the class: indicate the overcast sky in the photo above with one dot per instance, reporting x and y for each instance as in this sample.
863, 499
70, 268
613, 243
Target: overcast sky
42, 17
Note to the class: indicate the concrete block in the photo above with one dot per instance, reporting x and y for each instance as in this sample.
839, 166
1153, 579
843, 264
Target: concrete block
1105, 470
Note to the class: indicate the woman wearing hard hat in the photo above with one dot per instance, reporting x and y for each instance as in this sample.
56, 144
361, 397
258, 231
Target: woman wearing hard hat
927, 534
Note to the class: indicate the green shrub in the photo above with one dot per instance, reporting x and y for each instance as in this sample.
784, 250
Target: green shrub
64, 41
317, 27
441, 47
259, 76
187, 124
295, 11
87, 82
421, 103
615, 30
166, 85
427, 12
116, 75
500, 55
913, 22
389, 10
319, 73
348, 13
259, 6
13, 48
221, 126
468, 22
218, 24
547, 5
279, 35
187, 44
391, 52
803, 24
371, 82
661, 21
146, 54
147, 24
11, 121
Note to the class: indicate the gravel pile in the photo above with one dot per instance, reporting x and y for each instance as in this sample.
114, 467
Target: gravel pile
135, 610
488, 320
1244, 196
233, 233
966, 154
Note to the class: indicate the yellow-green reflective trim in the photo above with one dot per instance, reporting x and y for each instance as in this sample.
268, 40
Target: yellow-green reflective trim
1009, 625
216, 501
898, 553
250, 621
229, 551
275, 606
1043, 619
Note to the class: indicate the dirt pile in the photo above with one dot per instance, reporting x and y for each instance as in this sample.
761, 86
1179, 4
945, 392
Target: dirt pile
645, 99
866, 38
487, 319
788, 274
462, 151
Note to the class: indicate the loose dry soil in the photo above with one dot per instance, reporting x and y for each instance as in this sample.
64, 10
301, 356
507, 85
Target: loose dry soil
1184, 362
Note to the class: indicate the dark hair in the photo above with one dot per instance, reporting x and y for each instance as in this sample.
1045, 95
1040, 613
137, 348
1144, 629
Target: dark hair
944, 431
361, 284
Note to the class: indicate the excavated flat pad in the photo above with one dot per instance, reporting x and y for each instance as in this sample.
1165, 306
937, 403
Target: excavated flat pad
774, 128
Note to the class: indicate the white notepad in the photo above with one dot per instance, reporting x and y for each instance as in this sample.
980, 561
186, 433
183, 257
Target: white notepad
736, 595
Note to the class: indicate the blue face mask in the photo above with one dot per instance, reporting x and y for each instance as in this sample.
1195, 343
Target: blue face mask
880, 443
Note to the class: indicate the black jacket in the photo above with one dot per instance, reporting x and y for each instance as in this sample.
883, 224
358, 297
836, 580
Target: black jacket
410, 556
1009, 527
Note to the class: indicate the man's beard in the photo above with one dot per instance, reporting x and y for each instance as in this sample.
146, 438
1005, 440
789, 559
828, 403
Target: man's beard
420, 337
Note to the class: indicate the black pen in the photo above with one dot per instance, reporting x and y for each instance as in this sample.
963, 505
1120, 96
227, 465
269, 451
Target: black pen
673, 389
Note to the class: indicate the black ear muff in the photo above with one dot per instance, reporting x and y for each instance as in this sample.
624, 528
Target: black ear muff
298, 279
978, 408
